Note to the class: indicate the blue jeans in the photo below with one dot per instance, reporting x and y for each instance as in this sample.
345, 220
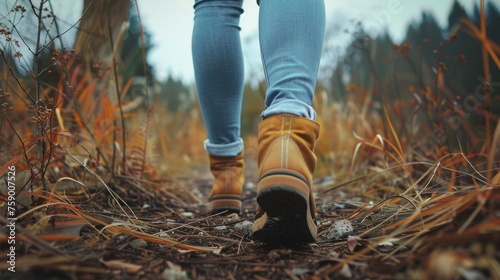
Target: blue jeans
291, 34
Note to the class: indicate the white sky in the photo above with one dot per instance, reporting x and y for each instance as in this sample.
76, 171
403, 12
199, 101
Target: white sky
171, 21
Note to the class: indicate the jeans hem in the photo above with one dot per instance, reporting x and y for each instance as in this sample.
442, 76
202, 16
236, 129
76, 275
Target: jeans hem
224, 150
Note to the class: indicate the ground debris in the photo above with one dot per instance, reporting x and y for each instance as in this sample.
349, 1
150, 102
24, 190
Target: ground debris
376, 242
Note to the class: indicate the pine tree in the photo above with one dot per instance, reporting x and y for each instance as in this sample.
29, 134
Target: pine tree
457, 12
175, 94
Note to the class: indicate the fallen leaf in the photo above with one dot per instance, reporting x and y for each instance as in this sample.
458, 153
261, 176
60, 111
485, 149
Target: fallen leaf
352, 242
345, 271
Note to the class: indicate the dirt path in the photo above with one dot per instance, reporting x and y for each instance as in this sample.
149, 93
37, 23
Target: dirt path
170, 236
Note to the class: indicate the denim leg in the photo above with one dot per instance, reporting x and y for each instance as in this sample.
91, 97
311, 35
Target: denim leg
218, 68
291, 36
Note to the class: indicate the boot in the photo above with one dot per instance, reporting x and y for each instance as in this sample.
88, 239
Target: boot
227, 185
286, 160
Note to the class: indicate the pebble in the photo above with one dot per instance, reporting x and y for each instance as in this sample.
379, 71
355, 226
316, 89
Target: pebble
138, 243
174, 274
187, 214
220, 228
339, 229
244, 227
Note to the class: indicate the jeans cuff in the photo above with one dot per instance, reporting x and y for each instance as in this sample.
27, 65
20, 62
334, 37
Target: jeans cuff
224, 150
293, 107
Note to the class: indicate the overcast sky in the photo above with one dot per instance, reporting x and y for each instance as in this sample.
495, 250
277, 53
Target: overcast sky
170, 22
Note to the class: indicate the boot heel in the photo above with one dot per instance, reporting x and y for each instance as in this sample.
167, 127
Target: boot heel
287, 219
224, 203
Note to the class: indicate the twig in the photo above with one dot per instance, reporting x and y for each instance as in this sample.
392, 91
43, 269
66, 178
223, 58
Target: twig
115, 73
36, 74
15, 78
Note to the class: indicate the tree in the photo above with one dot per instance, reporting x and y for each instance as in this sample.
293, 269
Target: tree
99, 20
424, 37
175, 95
457, 12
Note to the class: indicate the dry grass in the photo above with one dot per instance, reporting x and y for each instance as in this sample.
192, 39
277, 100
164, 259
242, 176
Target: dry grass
133, 207
407, 214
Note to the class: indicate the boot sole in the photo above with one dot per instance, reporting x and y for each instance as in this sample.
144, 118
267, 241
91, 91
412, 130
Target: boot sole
287, 218
224, 203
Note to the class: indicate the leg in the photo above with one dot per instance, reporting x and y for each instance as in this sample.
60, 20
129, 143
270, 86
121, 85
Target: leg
218, 65
218, 68
291, 36
291, 41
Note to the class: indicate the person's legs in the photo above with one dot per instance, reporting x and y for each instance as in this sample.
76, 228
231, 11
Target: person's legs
291, 36
218, 67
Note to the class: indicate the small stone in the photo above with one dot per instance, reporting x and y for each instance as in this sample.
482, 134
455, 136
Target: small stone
244, 227
339, 229
220, 228
250, 186
169, 274
174, 272
300, 271
122, 237
187, 214
138, 243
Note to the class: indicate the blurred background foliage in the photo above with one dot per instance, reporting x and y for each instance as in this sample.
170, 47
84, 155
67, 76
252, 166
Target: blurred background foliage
431, 85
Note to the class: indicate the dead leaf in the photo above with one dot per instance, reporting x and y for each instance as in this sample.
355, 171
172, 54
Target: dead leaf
345, 271
352, 242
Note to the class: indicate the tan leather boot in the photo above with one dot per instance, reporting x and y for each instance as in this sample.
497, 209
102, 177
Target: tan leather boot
286, 160
227, 185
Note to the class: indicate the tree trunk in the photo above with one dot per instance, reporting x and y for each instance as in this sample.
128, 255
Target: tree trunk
92, 40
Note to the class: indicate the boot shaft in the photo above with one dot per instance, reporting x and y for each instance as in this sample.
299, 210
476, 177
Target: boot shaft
227, 173
286, 142
227, 185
